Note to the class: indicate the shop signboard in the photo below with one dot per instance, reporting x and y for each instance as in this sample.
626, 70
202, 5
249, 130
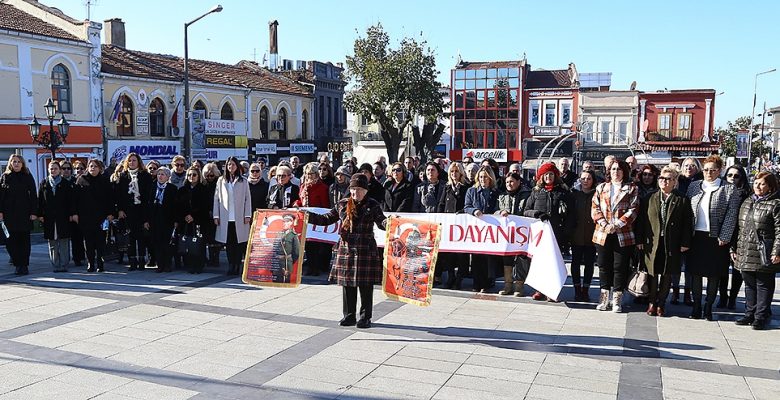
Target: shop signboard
147, 149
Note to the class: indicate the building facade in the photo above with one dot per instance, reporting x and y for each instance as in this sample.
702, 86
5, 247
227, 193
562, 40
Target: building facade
46, 54
610, 121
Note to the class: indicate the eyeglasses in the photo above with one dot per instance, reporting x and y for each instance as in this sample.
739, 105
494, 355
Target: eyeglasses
732, 175
282, 176
323, 169
178, 165
397, 170
79, 168
211, 176
193, 174
68, 168
665, 178
708, 170
152, 168
647, 174
255, 171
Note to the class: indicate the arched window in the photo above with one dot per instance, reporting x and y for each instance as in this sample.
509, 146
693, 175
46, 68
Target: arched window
60, 88
264, 123
226, 113
282, 124
304, 123
124, 120
157, 117
199, 105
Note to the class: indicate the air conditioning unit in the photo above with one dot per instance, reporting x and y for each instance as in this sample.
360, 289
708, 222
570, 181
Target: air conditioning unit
287, 65
300, 64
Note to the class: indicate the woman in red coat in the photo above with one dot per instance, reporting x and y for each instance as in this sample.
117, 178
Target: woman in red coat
358, 261
314, 193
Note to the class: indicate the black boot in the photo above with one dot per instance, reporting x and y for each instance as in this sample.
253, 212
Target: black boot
133, 263
696, 313
450, 281
100, 266
90, 266
458, 283
708, 311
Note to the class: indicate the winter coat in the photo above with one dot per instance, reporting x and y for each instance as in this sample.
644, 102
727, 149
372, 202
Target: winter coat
376, 191
677, 232
336, 192
724, 208
399, 199
482, 199
766, 219
166, 210
579, 222
18, 200
569, 177
313, 195
56, 207
259, 193
427, 196
555, 203
124, 200
242, 201
622, 215
514, 202
282, 196
454, 198
195, 201
94, 201
358, 259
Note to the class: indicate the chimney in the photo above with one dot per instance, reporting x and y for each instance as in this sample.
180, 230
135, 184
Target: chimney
115, 32
274, 44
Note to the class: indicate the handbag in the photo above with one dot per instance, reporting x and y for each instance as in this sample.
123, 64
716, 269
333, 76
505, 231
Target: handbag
191, 242
639, 285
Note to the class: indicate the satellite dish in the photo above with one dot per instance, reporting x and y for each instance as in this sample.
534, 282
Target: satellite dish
633, 85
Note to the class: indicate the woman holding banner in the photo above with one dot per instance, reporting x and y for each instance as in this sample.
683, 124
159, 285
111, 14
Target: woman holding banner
358, 265
481, 199
452, 201
512, 202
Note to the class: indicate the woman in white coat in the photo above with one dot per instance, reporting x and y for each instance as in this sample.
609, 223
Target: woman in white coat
233, 213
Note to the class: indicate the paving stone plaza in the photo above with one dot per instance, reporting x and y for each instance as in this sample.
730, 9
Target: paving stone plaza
142, 335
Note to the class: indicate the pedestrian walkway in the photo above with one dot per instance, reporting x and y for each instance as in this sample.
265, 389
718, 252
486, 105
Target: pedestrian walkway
143, 335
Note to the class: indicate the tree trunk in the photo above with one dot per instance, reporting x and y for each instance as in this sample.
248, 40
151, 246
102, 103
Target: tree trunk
392, 138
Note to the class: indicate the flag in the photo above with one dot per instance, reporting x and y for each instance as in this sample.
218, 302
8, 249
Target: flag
175, 117
117, 108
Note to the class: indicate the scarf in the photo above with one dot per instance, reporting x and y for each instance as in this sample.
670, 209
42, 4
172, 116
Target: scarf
254, 181
133, 187
158, 197
54, 181
549, 186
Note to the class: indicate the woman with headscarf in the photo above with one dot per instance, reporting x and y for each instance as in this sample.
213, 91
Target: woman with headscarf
358, 265
18, 208
56, 211
94, 205
132, 185
258, 187
233, 213
736, 176
161, 218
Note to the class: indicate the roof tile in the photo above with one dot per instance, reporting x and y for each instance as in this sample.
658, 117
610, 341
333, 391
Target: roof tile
544, 79
14, 19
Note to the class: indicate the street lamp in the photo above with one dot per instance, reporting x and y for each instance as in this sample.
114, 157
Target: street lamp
753, 113
187, 133
50, 140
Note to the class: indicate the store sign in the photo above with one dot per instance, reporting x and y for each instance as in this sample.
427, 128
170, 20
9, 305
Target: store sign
226, 141
597, 156
302, 148
147, 149
533, 149
224, 127
552, 93
265, 148
142, 122
223, 154
547, 130
499, 155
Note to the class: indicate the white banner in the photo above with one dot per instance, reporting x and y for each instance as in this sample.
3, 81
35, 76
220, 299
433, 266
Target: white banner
489, 234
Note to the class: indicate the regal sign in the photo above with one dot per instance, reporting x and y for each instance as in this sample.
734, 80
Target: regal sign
499, 155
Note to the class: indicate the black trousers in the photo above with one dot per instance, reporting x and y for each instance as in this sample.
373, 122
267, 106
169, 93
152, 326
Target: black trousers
318, 256
582, 255
95, 244
349, 300
161, 243
736, 284
77, 243
235, 250
18, 246
613, 263
697, 284
660, 283
136, 249
759, 291
480, 267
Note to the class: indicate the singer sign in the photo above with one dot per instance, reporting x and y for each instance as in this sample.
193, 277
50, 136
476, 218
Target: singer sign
499, 155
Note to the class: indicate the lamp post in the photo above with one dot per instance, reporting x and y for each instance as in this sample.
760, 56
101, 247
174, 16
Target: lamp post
187, 133
50, 140
753, 113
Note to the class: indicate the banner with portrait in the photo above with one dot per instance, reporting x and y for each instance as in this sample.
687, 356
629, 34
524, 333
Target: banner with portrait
411, 249
274, 253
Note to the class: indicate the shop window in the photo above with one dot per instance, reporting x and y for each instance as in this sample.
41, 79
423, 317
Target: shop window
226, 113
664, 124
157, 117
60, 88
534, 111
684, 126
264, 128
124, 121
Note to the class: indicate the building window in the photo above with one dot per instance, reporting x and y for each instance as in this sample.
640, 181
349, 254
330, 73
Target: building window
199, 105
304, 124
622, 131
322, 111
565, 113
549, 114
226, 113
684, 126
605, 132
365, 120
534, 113
664, 124
330, 120
124, 121
157, 117
282, 124
336, 113
60, 88
264, 123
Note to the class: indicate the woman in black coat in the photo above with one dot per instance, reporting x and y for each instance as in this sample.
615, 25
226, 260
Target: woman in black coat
512, 202
161, 218
18, 203
258, 188
428, 194
132, 185
56, 210
94, 205
736, 176
398, 190
194, 204
210, 174
452, 201
284, 193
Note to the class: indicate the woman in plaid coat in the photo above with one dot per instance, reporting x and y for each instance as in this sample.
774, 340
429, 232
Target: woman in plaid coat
358, 263
614, 209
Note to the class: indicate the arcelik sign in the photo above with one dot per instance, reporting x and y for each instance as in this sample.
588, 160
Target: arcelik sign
499, 155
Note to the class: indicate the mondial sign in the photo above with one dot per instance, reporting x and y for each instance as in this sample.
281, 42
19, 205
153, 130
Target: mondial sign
499, 155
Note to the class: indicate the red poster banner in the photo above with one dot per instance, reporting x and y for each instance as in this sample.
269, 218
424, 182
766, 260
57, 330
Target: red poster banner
274, 253
410, 259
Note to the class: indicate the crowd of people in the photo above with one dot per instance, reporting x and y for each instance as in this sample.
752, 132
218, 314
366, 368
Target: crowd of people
691, 219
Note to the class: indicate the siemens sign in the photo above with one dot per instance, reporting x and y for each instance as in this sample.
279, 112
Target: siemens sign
147, 149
